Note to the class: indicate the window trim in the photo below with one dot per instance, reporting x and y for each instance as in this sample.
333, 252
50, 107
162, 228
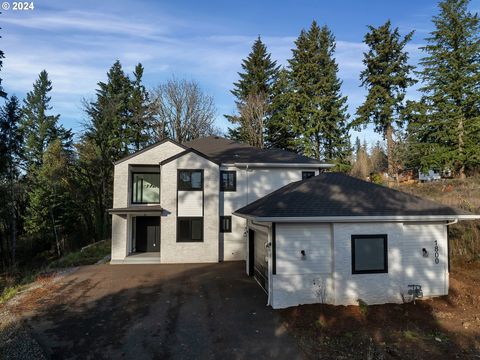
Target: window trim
189, 170
307, 172
132, 183
222, 188
385, 254
228, 230
190, 218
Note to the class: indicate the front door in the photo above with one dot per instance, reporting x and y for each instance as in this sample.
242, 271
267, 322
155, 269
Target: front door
147, 237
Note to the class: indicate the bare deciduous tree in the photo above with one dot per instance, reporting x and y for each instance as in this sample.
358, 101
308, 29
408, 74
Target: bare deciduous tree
252, 116
182, 111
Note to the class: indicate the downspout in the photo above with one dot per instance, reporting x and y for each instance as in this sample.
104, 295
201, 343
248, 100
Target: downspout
452, 222
448, 241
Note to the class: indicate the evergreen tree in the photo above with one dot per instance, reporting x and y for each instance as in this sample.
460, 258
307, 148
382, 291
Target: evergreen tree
112, 127
40, 129
52, 214
10, 155
3, 94
386, 77
140, 112
258, 75
319, 111
446, 122
279, 132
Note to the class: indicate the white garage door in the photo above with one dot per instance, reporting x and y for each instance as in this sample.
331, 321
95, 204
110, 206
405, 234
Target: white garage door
260, 264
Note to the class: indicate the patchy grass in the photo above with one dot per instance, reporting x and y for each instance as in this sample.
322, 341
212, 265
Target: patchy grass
463, 194
13, 282
87, 256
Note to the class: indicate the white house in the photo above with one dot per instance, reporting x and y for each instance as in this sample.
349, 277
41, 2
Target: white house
307, 236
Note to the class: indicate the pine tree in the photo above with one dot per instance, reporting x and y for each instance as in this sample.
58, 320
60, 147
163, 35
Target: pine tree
279, 131
140, 112
447, 120
319, 111
40, 129
10, 155
258, 75
3, 94
386, 77
111, 129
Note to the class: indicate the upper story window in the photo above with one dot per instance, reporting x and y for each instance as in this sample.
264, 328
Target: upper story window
190, 180
307, 174
145, 188
228, 180
369, 254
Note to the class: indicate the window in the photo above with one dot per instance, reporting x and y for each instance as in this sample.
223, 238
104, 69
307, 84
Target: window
307, 174
190, 180
145, 188
228, 180
369, 254
225, 224
189, 229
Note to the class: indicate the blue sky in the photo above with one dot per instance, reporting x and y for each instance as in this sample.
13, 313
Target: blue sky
76, 42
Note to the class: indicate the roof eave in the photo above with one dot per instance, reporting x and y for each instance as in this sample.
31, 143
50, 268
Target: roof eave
280, 165
350, 219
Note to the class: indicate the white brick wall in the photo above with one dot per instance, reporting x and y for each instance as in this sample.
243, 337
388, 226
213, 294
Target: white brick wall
259, 183
298, 279
293, 283
206, 251
121, 229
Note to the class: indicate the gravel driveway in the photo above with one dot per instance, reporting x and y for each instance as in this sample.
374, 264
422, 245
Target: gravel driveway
208, 311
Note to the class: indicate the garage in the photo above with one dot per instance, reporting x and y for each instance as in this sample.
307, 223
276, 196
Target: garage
258, 241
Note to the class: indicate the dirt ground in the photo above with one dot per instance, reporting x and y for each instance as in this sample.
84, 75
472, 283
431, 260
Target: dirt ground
216, 312
447, 327
202, 311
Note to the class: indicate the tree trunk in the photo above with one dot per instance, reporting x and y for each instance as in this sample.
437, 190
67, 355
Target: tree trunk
390, 145
461, 171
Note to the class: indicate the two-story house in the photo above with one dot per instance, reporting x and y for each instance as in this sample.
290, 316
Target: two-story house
306, 235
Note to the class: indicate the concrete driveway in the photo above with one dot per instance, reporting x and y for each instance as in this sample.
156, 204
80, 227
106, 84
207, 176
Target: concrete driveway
197, 311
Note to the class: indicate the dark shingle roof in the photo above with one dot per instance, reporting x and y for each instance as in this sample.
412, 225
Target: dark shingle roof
228, 151
337, 194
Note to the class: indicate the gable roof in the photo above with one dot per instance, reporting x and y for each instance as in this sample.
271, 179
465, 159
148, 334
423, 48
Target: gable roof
149, 147
331, 195
228, 151
184, 152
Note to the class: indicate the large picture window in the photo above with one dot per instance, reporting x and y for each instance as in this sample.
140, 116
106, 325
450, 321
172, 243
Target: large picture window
189, 229
146, 188
228, 180
190, 180
369, 254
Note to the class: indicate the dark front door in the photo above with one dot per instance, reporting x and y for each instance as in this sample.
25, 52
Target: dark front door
147, 237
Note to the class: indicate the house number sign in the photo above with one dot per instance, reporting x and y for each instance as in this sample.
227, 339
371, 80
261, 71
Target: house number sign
436, 252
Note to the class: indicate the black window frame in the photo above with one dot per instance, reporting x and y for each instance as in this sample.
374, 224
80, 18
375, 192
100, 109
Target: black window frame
311, 174
190, 219
180, 188
385, 254
222, 187
132, 186
228, 229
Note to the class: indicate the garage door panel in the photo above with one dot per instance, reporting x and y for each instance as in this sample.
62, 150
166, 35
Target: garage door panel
260, 265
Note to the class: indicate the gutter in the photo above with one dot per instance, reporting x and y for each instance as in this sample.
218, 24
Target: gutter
350, 219
279, 165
